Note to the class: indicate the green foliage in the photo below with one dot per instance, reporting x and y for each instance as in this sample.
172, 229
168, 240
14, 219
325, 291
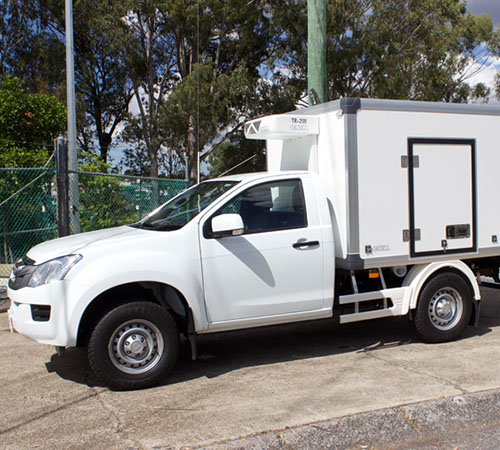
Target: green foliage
197, 70
412, 49
135, 161
28, 48
232, 154
103, 85
102, 200
28, 124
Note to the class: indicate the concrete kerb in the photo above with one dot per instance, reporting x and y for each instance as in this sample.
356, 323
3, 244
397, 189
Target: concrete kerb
463, 420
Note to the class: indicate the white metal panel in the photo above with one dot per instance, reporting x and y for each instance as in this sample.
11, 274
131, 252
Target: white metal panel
383, 184
333, 175
261, 274
442, 187
274, 151
383, 203
292, 154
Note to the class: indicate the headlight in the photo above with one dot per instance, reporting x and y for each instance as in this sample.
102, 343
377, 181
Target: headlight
53, 270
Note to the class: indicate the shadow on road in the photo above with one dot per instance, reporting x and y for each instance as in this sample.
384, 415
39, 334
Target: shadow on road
225, 352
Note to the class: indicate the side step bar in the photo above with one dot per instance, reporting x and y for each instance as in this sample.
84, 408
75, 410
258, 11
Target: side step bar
396, 296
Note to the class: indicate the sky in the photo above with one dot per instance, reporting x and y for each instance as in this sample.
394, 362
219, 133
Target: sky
491, 7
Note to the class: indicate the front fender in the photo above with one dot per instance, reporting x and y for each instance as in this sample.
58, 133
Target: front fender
98, 275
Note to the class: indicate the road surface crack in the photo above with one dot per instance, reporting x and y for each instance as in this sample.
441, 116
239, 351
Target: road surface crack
411, 369
116, 422
408, 420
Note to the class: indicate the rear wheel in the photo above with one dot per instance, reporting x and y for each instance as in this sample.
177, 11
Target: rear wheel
134, 345
444, 308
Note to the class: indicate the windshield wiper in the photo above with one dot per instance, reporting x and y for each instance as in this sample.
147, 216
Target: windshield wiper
141, 225
167, 227
150, 226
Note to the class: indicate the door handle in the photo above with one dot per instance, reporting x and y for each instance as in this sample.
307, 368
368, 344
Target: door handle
304, 244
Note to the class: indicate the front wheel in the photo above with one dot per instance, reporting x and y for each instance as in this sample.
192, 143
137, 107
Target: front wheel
444, 308
134, 345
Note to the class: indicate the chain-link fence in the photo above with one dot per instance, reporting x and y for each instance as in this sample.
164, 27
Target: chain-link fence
112, 200
27, 212
28, 205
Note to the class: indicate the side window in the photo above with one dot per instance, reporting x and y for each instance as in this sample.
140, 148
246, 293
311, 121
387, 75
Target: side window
270, 206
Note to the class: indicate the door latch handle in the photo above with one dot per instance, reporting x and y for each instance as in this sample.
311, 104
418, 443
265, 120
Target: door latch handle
301, 244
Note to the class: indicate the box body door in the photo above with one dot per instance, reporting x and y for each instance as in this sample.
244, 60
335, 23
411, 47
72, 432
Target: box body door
442, 196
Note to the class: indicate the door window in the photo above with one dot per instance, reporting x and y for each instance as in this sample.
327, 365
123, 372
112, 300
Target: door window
270, 206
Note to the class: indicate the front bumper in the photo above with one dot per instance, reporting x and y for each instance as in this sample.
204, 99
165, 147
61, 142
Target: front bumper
24, 319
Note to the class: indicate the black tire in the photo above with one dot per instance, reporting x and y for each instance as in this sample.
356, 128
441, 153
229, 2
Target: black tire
444, 308
134, 346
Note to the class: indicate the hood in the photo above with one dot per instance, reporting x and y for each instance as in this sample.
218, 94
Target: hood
72, 244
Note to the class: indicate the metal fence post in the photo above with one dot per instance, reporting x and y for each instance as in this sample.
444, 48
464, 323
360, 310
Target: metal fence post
62, 187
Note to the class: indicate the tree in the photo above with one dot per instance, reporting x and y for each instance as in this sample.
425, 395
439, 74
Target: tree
13, 30
148, 54
410, 49
401, 49
103, 87
135, 161
239, 155
29, 123
192, 72
27, 50
196, 68
221, 85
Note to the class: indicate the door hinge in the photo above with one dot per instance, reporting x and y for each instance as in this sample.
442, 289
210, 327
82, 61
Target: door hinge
404, 162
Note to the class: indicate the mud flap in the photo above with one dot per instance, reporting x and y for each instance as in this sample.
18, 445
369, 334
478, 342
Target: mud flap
474, 319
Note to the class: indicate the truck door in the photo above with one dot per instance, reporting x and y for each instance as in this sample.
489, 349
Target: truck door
442, 196
276, 267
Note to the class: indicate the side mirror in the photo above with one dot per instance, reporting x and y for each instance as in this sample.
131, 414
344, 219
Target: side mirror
227, 225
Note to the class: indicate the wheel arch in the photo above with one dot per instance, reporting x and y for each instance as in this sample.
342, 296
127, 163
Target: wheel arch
162, 294
420, 275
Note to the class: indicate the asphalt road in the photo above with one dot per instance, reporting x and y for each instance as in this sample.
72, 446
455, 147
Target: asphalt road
308, 385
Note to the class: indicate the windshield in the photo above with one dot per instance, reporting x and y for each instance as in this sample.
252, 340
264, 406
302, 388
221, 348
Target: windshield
180, 210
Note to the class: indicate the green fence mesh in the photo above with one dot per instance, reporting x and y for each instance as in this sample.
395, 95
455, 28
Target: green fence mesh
27, 212
28, 205
112, 200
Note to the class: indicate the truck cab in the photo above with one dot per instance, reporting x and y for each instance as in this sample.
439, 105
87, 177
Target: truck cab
236, 252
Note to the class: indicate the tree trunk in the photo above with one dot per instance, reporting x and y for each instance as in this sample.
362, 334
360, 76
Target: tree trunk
192, 150
153, 156
104, 143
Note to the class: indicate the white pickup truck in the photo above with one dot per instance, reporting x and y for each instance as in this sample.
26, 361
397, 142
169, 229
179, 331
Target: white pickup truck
370, 208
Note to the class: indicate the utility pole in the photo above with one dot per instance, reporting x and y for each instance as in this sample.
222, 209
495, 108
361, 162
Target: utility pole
74, 194
316, 51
